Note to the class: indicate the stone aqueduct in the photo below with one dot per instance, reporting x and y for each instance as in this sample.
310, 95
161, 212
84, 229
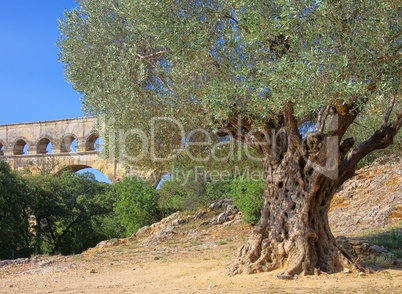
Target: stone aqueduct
46, 147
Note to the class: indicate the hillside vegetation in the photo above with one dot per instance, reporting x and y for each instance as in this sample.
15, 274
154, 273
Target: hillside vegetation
191, 252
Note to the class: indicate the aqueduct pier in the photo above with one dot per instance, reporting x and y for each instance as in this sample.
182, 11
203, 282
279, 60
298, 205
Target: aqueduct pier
53, 146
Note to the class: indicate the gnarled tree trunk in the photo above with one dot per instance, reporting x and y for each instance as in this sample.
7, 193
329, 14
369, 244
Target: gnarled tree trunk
301, 180
293, 231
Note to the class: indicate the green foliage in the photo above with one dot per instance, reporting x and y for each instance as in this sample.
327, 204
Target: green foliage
68, 210
391, 239
136, 205
194, 191
222, 188
366, 125
15, 203
131, 61
144, 49
68, 213
173, 197
185, 191
247, 195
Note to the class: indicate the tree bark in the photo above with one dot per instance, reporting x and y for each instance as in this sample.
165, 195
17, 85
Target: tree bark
301, 180
293, 232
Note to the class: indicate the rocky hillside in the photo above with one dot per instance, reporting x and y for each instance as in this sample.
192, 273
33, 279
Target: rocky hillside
371, 200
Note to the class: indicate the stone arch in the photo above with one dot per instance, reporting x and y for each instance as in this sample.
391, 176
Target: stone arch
19, 146
43, 143
2, 147
90, 142
77, 167
66, 143
73, 168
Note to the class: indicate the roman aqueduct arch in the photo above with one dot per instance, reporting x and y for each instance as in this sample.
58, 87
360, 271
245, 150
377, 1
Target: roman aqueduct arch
53, 146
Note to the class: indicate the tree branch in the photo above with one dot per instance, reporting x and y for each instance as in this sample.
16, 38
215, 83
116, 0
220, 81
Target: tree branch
381, 139
397, 124
237, 22
65, 231
52, 234
347, 112
344, 147
152, 55
267, 142
388, 112
322, 116
291, 127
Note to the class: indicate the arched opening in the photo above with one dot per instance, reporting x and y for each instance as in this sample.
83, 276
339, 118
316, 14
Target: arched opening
68, 144
73, 146
44, 146
93, 143
49, 147
1, 148
20, 147
99, 176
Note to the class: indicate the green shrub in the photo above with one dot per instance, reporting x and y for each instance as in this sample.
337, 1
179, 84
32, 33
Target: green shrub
191, 192
247, 195
220, 189
172, 198
136, 205
183, 193
179, 194
391, 239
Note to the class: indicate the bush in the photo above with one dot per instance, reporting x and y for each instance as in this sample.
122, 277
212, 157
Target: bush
173, 197
136, 205
180, 194
220, 189
247, 195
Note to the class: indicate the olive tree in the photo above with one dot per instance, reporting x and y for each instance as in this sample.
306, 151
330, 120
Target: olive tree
257, 72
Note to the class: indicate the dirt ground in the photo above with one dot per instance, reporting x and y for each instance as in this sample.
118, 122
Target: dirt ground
181, 264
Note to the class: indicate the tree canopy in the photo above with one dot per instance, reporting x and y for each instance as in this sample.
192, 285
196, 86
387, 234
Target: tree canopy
68, 210
255, 71
15, 199
205, 62
47, 214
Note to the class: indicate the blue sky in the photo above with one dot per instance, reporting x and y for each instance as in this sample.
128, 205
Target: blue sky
32, 84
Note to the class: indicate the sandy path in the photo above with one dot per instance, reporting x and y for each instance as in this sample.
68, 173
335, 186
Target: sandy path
198, 271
